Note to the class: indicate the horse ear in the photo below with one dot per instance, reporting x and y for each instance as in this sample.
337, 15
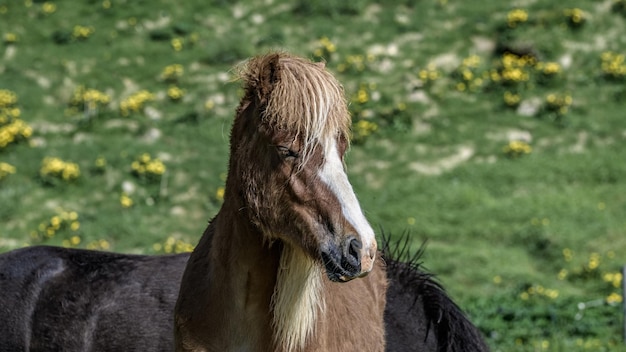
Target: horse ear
269, 75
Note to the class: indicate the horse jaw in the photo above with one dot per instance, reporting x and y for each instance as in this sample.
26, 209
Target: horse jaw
297, 300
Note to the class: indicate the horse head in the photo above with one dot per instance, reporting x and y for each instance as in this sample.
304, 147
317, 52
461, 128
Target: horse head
294, 123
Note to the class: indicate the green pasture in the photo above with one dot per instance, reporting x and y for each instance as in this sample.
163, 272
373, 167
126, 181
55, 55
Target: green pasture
494, 130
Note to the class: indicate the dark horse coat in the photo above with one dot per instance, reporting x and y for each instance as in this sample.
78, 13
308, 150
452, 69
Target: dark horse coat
57, 299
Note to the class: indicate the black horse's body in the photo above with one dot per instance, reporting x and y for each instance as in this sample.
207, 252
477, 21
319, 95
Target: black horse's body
57, 299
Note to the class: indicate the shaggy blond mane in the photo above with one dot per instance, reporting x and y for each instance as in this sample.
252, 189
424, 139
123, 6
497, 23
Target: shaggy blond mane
299, 96
297, 299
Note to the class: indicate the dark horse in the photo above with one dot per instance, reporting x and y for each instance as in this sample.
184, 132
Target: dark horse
57, 299
289, 263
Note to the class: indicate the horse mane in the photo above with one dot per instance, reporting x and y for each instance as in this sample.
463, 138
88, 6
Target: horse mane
296, 95
452, 330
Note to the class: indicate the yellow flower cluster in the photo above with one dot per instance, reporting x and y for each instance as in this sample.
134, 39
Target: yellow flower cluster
175, 93
147, 168
512, 72
177, 44
173, 245
88, 99
65, 222
594, 262
82, 32
362, 96
48, 8
135, 103
515, 68
517, 148
614, 298
126, 201
539, 291
6, 170
512, 99
548, 69
363, 128
615, 279
71, 242
470, 79
171, 73
55, 168
472, 61
613, 65
558, 103
575, 17
429, 74
12, 129
9, 38
515, 17
568, 255
102, 245
7, 98
354, 63
325, 48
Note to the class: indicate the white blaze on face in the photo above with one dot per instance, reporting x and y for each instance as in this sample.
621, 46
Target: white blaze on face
334, 175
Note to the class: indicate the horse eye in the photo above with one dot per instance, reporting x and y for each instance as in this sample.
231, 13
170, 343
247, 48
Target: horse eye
286, 153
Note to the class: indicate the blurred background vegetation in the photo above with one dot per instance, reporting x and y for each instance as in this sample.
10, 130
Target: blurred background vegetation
494, 130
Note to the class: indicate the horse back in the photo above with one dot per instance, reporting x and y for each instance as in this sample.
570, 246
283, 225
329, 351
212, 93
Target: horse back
420, 316
54, 299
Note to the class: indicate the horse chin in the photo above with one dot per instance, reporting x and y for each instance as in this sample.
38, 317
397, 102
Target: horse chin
336, 272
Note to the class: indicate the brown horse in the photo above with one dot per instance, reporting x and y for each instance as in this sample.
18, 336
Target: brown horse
274, 270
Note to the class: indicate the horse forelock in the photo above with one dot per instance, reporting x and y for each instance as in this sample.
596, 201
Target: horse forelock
298, 96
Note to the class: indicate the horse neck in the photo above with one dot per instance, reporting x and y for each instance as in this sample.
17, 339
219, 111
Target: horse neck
243, 275
268, 293
271, 293
298, 302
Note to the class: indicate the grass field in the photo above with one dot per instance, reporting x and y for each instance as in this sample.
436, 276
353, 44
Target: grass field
495, 131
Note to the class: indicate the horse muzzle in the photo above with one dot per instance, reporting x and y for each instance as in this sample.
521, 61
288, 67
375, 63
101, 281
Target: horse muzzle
348, 261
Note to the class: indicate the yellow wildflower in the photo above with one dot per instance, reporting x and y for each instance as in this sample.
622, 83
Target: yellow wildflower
219, 194
517, 148
516, 16
126, 201
6, 170
614, 298
48, 7
175, 93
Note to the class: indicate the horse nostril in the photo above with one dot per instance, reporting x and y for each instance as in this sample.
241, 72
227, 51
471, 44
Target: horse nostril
352, 251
